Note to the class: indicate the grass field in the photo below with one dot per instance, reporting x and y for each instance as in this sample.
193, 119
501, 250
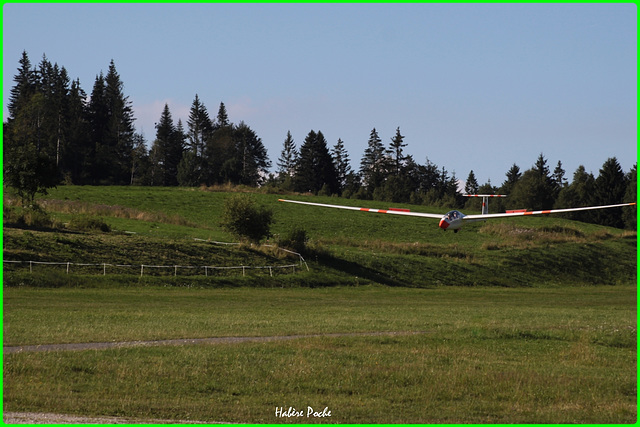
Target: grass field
529, 320
487, 354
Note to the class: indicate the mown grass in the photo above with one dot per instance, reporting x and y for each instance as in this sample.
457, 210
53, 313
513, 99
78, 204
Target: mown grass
487, 354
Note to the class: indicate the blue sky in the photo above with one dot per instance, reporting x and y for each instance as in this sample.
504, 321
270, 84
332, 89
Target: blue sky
471, 86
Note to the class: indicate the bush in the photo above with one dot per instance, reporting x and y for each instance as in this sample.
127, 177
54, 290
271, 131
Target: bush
244, 219
31, 217
296, 240
89, 223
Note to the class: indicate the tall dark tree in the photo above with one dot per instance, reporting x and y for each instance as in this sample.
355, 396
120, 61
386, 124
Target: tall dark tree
315, 166
374, 164
140, 161
192, 167
199, 127
26, 165
577, 194
535, 190
251, 159
610, 188
557, 179
25, 86
120, 130
167, 150
629, 215
398, 158
341, 163
471, 185
288, 158
79, 153
513, 176
98, 116
223, 117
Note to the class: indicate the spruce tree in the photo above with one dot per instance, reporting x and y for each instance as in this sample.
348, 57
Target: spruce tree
374, 162
167, 150
288, 158
120, 130
513, 175
629, 215
80, 151
26, 165
471, 186
398, 159
577, 194
222, 118
610, 188
315, 166
24, 88
199, 127
250, 156
341, 163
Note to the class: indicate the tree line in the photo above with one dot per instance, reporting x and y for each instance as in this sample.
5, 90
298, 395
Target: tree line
56, 133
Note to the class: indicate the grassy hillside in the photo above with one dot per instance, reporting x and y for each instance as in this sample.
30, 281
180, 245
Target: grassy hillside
158, 226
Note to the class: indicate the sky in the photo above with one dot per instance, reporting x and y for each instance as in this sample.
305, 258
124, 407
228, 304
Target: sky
471, 86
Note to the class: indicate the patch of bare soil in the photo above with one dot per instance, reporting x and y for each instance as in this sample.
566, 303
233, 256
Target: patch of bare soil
47, 418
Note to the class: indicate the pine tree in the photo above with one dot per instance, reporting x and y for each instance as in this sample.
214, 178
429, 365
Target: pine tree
341, 163
374, 163
557, 179
629, 215
396, 152
535, 189
98, 115
577, 194
25, 86
167, 150
222, 118
315, 166
610, 187
513, 176
79, 156
120, 130
199, 127
471, 186
250, 156
26, 165
140, 161
288, 158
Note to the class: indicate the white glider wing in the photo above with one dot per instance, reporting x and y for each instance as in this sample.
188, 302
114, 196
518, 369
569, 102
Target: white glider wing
508, 214
353, 208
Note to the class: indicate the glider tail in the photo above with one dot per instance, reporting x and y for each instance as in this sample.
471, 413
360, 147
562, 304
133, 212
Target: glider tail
485, 200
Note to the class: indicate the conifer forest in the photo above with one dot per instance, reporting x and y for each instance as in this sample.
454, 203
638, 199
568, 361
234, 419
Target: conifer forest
58, 133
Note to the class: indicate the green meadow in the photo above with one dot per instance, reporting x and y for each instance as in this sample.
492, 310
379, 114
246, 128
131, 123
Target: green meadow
527, 320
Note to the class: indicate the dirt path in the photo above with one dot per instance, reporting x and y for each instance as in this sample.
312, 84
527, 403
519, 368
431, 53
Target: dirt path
47, 418
216, 340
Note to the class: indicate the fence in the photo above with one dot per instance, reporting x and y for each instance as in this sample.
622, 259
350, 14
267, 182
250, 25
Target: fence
209, 270
157, 270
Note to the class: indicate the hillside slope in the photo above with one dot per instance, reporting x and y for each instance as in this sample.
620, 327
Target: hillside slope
344, 247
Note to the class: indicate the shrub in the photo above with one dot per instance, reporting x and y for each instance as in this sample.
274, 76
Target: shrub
31, 217
244, 219
89, 223
296, 240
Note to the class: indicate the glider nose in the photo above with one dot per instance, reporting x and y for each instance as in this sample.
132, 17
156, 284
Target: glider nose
444, 224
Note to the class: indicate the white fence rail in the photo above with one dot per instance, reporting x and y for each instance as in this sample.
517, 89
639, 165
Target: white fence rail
208, 270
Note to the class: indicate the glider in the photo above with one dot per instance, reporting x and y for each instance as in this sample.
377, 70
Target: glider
454, 220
